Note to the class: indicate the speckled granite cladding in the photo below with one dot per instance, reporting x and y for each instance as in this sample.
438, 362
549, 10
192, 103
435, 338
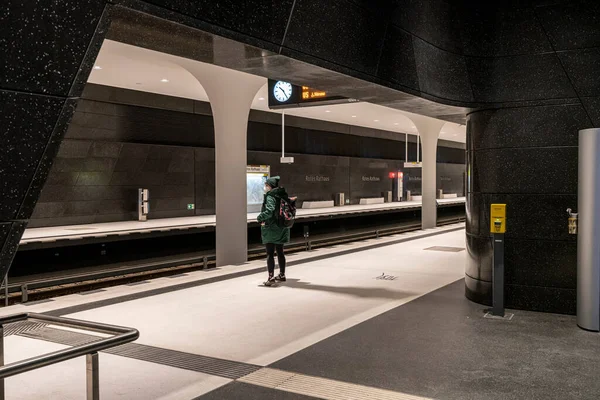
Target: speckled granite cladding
527, 158
514, 78
310, 32
262, 19
592, 106
571, 24
43, 43
442, 73
44, 46
27, 123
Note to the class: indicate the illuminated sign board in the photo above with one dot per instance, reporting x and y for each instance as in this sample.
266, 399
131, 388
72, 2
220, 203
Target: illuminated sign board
285, 95
309, 94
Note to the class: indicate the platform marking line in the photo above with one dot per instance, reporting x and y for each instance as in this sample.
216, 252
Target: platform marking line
322, 388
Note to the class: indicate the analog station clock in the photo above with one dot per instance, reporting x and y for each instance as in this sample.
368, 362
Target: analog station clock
282, 91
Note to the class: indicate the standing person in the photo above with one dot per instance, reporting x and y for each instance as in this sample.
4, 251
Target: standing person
274, 235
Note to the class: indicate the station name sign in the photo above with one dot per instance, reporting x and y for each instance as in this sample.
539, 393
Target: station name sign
283, 94
317, 178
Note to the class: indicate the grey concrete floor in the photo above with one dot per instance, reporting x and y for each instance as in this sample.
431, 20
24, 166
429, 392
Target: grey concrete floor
239, 391
440, 346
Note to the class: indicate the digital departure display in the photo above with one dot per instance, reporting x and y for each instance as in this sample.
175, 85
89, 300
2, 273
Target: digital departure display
309, 94
282, 94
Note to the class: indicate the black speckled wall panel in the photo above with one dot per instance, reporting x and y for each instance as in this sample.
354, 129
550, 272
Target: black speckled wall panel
27, 122
532, 217
441, 73
582, 68
518, 78
506, 31
526, 158
45, 43
525, 170
263, 19
549, 263
397, 63
592, 106
505, 129
572, 24
541, 298
438, 22
479, 260
358, 35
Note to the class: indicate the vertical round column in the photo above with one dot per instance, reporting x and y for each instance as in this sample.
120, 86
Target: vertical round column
429, 182
429, 131
231, 94
588, 241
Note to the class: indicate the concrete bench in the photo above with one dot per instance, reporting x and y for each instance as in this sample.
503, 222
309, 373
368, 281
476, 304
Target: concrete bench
451, 196
318, 204
373, 200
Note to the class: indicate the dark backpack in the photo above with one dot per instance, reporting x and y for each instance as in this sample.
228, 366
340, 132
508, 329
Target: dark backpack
287, 212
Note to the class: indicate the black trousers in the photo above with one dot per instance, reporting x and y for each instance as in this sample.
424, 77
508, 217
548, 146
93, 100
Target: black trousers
271, 258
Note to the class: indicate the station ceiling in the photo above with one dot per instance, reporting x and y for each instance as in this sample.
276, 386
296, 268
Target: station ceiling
131, 67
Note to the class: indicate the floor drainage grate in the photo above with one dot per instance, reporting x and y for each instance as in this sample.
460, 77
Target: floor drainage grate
22, 327
446, 249
177, 359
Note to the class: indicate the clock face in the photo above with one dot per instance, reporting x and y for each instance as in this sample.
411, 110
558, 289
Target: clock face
282, 91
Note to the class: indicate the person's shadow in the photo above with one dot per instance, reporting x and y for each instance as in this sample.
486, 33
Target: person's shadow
362, 292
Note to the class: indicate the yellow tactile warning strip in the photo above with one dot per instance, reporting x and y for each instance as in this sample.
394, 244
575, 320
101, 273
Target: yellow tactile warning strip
320, 388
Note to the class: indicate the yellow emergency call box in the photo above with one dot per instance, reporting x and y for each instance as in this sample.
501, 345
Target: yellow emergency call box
498, 218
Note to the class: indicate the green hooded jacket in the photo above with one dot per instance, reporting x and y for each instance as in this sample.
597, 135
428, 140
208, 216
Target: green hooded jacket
271, 232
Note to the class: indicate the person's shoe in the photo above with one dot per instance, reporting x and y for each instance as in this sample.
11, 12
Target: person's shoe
280, 278
270, 282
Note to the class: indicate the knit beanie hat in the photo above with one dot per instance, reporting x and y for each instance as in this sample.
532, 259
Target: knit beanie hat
273, 182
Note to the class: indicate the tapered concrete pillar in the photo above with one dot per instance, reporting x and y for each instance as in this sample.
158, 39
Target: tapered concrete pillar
429, 130
231, 94
429, 181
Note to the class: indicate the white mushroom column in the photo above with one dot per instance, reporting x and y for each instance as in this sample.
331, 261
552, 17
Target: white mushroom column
231, 94
429, 130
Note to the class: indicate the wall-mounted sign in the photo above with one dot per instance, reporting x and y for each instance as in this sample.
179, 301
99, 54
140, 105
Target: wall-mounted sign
191, 206
283, 94
260, 169
413, 164
317, 178
371, 179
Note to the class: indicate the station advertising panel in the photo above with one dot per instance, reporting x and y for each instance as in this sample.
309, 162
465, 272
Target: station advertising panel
283, 94
256, 176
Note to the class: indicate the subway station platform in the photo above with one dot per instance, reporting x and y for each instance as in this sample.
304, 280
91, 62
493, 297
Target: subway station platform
381, 319
124, 228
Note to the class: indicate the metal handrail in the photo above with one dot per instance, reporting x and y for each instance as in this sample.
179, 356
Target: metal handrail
121, 336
